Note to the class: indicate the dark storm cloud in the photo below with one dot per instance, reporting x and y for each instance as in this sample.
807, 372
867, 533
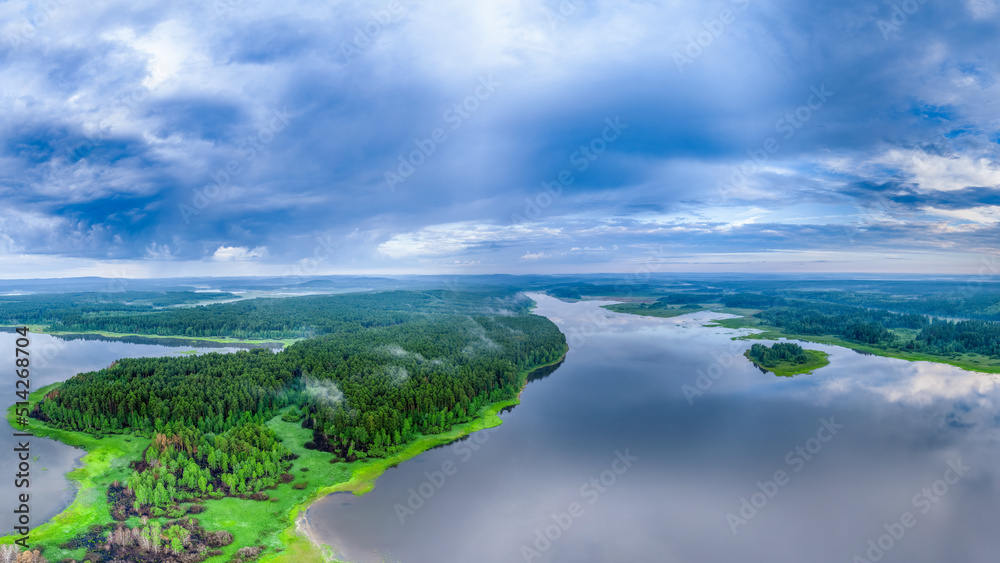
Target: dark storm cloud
119, 118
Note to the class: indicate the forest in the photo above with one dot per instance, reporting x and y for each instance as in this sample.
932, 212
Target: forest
935, 317
780, 352
58, 308
391, 366
261, 318
905, 331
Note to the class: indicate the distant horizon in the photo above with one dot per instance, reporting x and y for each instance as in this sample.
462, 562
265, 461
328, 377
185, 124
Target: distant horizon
636, 277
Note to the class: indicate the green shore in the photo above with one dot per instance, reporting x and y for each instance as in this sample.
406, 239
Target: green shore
42, 329
273, 523
817, 359
637, 309
968, 362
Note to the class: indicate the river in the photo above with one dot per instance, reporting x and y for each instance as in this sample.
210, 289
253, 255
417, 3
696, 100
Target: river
656, 440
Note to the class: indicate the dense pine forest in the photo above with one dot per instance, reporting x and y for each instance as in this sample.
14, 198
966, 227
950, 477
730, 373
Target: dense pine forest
389, 367
58, 308
262, 318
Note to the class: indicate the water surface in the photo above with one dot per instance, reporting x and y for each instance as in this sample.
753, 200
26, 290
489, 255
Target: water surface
709, 430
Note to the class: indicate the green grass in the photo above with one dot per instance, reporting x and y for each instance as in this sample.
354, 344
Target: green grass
220, 340
637, 309
271, 524
106, 461
969, 362
816, 360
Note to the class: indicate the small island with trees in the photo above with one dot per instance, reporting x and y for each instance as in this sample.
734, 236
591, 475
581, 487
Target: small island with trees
786, 358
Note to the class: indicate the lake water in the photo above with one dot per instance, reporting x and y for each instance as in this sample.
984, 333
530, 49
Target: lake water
57, 359
657, 441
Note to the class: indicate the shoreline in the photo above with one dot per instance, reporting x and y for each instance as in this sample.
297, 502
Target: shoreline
363, 479
109, 455
120, 336
817, 359
766, 332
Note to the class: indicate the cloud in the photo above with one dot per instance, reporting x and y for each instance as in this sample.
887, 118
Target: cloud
121, 116
162, 252
986, 214
7, 245
238, 253
534, 256
934, 172
456, 238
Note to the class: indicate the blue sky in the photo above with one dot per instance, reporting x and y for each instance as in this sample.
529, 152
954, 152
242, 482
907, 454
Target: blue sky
240, 137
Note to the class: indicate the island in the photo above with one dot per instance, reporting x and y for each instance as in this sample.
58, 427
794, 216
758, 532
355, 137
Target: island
659, 309
786, 358
954, 322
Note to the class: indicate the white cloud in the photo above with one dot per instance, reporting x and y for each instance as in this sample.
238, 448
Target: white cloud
933, 172
439, 240
7, 245
159, 252
982, 9
985, 214
238, 253
534, 256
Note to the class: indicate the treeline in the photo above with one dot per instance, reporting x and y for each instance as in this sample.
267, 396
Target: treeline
188, 465
948, 337
418, 378
210, 392
365, 390
963, 301
857, 324
880, 328
770, 357
46, 308
298, 317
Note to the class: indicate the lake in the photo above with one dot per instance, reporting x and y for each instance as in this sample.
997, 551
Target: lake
56, 359
656, 440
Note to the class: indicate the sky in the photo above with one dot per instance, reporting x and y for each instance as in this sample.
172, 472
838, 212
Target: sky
160, 139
